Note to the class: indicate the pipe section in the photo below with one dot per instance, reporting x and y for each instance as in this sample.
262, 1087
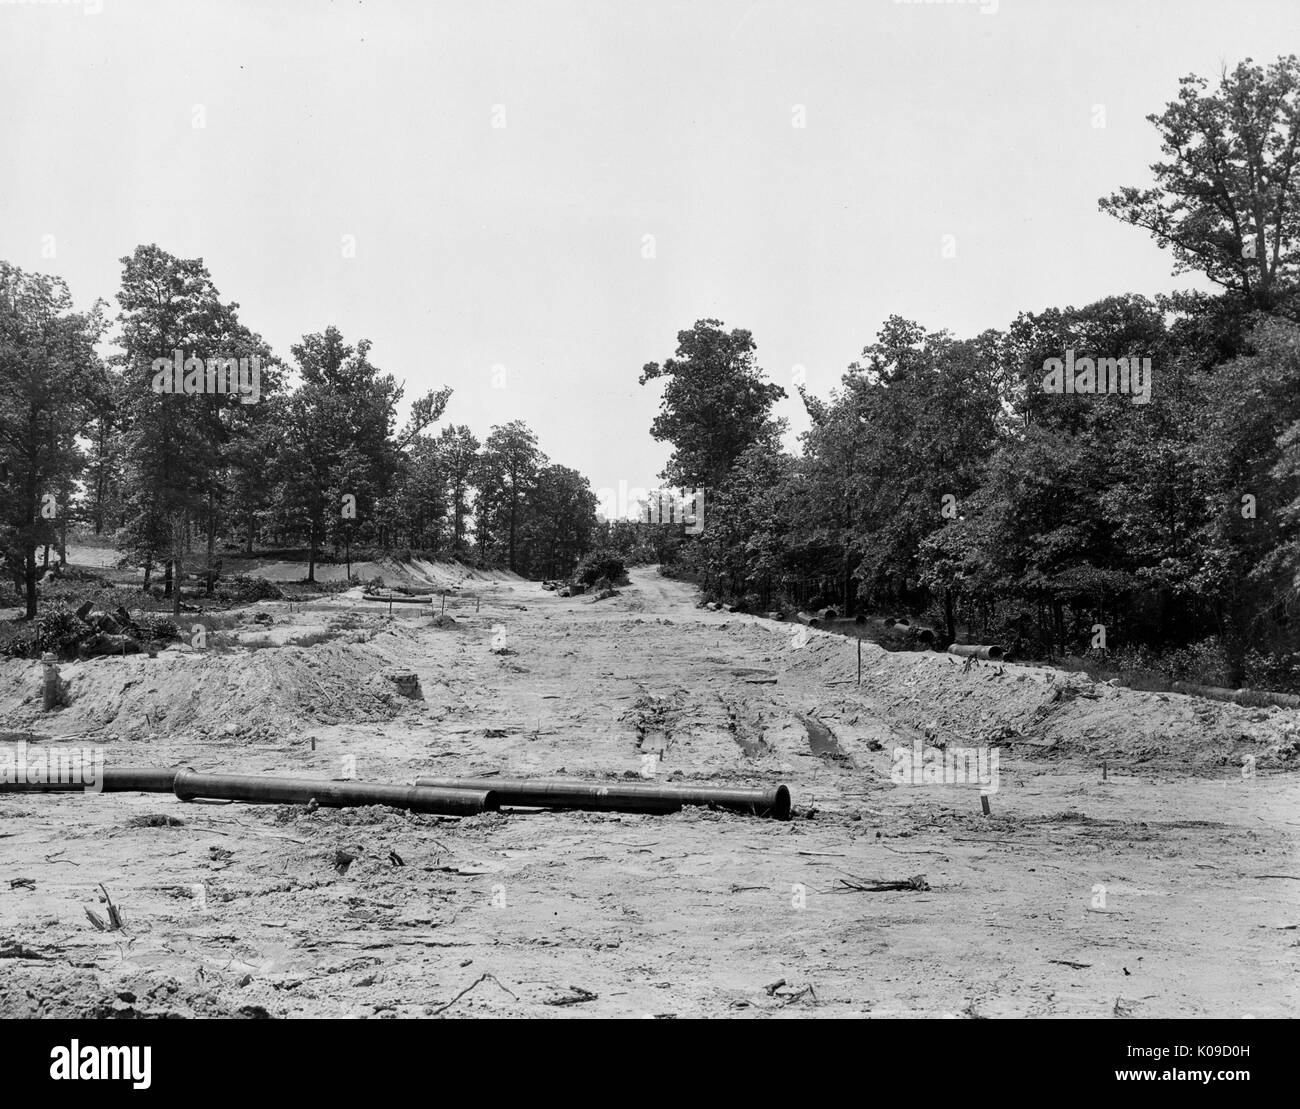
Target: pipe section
970, 650
1253, 698
189, 785
599, 797
125, 779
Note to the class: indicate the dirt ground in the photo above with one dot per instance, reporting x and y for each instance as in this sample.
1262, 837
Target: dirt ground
1169, 888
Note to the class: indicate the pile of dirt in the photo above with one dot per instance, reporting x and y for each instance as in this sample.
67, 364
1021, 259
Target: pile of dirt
243, 694
50, 990
1037, 711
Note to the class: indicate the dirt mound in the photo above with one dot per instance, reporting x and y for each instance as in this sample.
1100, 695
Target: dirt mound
1039, 711
244, 694
31, 993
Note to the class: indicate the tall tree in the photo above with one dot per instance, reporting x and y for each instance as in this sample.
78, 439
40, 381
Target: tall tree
715, 404
49, 373
508, 469
561, 521
338, 442
175, 441
1225, 199
458, 456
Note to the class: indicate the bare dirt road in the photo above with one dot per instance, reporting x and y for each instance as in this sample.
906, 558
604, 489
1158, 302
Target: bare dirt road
1172, 888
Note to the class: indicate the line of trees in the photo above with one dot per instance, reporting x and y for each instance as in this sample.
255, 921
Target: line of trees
940, 476
311, 458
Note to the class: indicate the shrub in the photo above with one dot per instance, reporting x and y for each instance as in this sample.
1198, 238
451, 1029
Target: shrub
157, 628
22, 644
602, 564
59, 630
244, 590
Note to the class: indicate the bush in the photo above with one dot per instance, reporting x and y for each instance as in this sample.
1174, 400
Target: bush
602, 564
22, 644
157, 628
244, 590
1279, 672
59, 630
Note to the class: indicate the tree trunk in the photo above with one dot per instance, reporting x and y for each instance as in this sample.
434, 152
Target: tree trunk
100, 480
30, 582
514, 508
212, 543
180, 538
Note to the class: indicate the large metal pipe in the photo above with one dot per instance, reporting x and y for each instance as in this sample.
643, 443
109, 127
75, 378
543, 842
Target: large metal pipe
125, 779
622, 797
808, 618
189, 784
139, 779
970, 650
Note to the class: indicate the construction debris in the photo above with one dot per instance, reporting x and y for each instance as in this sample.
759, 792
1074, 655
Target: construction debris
916, 883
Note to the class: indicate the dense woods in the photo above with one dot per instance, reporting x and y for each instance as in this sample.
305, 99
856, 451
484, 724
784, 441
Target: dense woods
235, 450
943, 478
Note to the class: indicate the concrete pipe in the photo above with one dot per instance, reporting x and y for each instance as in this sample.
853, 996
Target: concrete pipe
989, 653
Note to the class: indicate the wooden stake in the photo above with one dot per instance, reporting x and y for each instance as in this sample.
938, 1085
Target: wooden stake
859, 659
984, 803
1103, 771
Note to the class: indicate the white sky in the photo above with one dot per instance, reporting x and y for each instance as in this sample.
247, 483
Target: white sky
522, 246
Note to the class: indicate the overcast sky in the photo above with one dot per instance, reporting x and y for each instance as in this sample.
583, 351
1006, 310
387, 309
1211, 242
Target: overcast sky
524, 246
